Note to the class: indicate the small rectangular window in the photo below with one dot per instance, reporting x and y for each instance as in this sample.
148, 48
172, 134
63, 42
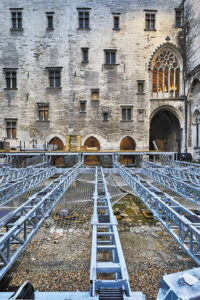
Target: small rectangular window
116, 22
11, 79
150, 21
16, 19
54, 78
110, 57
11, 128
95, 94
140, 86
178, 15
43, 112
126, 113
84, 17
82, 106
105, 116
50, 20
85, 57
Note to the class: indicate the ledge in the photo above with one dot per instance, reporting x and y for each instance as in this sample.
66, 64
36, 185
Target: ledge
150, 29
17, 29
116, 29
42, 121
126, 121
87, 29
7, 89
53, 88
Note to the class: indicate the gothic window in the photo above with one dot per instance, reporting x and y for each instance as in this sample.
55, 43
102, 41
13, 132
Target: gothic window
11, 79
166, 74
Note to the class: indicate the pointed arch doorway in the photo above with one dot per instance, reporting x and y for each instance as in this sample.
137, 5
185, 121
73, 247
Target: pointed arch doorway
127, 144
92, 144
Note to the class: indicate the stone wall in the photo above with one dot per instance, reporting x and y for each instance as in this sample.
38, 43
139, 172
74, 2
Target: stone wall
35, 48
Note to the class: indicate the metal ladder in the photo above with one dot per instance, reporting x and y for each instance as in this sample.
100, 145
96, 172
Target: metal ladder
108, 273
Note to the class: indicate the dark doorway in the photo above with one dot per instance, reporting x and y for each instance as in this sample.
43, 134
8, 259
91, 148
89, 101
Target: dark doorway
165, 133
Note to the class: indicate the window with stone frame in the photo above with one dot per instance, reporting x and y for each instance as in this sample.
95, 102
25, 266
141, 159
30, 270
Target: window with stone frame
116, 22
166, 74
84, 18
85, 55
54, 77
43, 111
95, 94
140, 87
16, 18
126, 113
110, 57
83, 106
11, 128
150, 20
11, 78
178, 17
105, 116
50, 17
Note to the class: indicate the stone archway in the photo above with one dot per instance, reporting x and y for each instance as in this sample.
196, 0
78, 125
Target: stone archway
165, 132
92, 144
127, 144
55, 145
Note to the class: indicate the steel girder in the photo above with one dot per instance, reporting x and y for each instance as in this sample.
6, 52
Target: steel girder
183, 164
10, 191
180, 173
105, 238
30, 217
189, 192
182, 224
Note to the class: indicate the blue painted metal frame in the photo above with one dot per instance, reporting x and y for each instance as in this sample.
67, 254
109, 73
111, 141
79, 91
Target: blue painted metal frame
30, 216
12, 174
10, 191
179, 173
105, 237
172, 215
189, 192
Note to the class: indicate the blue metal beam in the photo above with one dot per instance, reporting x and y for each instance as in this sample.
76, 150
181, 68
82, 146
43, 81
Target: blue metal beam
189, 192
185, 174
105, 237
10, 191
30, 216
182, 224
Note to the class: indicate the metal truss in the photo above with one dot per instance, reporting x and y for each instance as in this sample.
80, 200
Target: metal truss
13, 174
183, 164
180, 173
186, 190
181, 223
105, 239
25, 221
12, 190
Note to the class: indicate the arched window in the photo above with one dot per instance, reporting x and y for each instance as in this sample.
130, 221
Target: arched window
166, 74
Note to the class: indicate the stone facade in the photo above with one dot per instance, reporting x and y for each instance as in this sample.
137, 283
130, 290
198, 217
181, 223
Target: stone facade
36, 50
192, 83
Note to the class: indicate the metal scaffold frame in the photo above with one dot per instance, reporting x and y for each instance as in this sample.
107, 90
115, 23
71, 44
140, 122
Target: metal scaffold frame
13, 174
105, 238
180, 173
182, 224
13, 190
30, 217
189, 192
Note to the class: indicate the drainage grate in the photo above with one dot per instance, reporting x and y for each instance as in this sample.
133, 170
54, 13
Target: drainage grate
112, 293
104, 218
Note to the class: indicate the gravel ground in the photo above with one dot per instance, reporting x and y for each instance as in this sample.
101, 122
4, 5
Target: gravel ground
59, 259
